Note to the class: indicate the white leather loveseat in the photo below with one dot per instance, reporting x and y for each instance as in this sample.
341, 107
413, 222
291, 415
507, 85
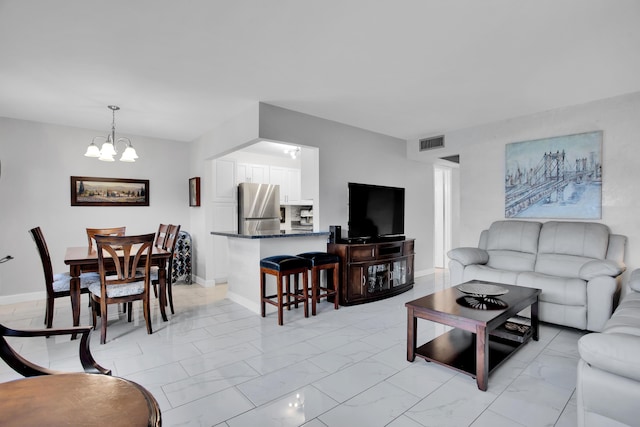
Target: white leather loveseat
608, 386
577, 265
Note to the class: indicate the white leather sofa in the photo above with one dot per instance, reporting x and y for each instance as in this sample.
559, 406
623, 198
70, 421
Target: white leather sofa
608, 386
577, 265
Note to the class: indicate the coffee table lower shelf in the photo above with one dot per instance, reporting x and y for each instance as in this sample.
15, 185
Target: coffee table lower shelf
456, 349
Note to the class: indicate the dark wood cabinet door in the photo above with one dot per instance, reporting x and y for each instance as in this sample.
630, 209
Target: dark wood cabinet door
356, 286
410, 273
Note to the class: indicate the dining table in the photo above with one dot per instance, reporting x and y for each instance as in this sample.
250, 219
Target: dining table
81, 259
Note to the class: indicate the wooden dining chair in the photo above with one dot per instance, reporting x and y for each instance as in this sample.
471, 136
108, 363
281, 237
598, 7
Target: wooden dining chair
161, 235
124, 255
169, 245
52, 397
113, 231
57, 285
29, 369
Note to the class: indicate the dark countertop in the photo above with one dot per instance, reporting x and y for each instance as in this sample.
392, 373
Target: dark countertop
271, 234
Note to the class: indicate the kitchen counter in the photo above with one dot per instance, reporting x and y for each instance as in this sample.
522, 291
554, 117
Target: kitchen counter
246, 251
271, 234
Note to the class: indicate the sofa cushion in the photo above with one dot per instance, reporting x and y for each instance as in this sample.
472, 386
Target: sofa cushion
511, 260
488, 274
626, 318
557, 290
520, 236
582, 239
512, 245
560, 265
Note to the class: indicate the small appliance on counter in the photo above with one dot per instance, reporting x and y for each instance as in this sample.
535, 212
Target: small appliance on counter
258, 208
302, 218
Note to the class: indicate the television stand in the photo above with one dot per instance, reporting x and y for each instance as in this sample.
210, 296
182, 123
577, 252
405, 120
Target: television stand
394, 238
378, 239
372, 271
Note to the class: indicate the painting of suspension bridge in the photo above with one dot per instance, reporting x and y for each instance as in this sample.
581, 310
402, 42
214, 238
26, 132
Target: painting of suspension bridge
559, 177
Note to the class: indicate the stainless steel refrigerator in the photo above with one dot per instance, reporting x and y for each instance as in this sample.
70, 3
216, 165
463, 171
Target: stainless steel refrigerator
258, 208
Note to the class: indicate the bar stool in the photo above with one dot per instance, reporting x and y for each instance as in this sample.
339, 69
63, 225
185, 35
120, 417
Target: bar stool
284, 266
322, 261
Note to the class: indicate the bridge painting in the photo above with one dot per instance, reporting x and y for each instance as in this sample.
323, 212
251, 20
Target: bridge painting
559, 177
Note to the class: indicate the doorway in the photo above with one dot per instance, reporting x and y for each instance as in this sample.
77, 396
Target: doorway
442, 215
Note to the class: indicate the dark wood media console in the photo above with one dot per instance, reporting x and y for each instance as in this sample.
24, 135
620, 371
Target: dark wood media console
373, 271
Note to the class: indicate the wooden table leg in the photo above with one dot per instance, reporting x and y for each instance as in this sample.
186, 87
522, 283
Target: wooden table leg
412, 329
162, 281
535, 321
482, 358
74, 293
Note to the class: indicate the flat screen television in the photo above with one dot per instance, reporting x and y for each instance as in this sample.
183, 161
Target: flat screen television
375, 211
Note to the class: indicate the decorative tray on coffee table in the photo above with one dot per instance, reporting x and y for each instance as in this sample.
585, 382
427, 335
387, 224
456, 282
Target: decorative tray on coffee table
482, 296
482, 290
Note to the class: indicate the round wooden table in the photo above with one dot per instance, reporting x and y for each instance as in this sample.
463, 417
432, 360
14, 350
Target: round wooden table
77, 399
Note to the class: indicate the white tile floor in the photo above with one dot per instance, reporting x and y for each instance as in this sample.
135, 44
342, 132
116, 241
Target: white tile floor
215, 363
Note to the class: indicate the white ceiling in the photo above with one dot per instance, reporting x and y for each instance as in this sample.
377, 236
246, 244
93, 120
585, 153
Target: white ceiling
399, 67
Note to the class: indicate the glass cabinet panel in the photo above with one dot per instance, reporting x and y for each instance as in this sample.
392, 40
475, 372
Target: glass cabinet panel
399, 276
378, 278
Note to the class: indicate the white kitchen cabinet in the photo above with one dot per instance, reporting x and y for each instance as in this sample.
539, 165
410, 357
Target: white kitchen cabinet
289, 181
248, 172
224, 183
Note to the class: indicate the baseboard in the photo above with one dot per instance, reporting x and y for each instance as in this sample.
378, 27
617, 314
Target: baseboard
245, 302
420, 273
204, 283
31, 296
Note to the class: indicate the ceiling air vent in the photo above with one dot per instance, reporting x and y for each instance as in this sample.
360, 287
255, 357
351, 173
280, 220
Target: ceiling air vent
431, 143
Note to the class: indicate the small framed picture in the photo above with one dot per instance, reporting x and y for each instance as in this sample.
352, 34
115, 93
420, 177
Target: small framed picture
194, 191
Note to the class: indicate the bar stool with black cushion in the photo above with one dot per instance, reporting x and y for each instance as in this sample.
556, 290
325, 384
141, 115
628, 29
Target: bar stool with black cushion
284, 266
322, 261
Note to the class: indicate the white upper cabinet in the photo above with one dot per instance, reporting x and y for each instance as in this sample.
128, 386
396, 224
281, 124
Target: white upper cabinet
289, 181
224, 183
248, 172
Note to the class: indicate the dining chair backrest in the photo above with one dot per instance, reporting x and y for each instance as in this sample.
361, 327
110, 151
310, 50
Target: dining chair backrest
161, 236
172, 237
127, 257
113, 231
43, 250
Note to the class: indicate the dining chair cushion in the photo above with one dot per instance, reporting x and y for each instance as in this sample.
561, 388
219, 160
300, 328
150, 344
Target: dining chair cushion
153, 273
62, 281
115, 291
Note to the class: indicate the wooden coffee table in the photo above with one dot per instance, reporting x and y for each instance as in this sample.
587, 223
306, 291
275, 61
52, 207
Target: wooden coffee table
480, 340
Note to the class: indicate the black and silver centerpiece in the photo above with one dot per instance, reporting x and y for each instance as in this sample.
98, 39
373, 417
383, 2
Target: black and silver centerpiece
482, 295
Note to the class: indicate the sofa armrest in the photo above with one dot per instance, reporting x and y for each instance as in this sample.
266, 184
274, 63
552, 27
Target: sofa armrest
615, 353
601, 267
634, 280
468, 256
602, 297
616, 248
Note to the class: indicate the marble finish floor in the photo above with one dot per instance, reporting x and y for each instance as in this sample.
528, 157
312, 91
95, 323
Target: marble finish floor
215, 363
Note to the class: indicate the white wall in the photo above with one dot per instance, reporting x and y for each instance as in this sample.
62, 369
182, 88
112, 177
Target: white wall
350, 154
37, 162
482, 151
240, 131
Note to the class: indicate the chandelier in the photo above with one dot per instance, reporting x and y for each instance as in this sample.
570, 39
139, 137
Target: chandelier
108, 149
